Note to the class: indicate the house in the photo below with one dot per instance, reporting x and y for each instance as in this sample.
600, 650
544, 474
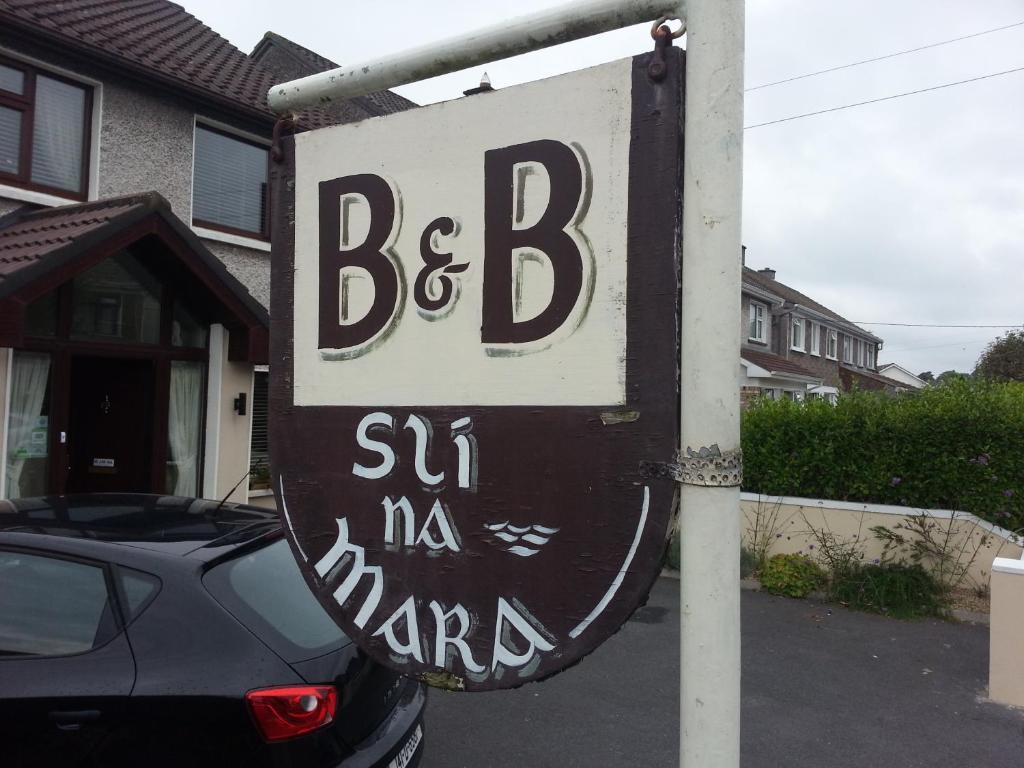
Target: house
134, 246
899, 373
794, 347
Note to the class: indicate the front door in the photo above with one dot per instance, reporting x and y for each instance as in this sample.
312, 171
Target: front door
110, 441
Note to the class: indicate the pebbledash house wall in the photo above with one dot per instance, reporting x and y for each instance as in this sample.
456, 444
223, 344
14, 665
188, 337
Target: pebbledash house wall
145, 143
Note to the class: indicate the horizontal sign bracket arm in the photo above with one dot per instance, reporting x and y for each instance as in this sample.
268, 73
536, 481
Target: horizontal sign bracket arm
532, 32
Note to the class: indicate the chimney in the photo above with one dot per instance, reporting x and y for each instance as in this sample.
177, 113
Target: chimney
767, 272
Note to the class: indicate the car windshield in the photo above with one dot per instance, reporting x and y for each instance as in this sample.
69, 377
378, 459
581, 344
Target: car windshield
266, 592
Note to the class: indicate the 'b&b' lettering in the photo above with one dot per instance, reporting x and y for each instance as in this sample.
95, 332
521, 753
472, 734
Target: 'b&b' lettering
548, 236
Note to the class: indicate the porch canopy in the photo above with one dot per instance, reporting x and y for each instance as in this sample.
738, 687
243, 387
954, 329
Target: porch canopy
43, 249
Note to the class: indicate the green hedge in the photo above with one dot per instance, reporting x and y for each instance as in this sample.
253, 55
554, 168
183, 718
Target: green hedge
955, 446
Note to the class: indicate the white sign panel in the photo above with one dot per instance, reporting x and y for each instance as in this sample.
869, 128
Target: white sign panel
425, 198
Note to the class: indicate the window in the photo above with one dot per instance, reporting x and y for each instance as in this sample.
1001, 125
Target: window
118, 300
259, 453
847, 349
229, 184
831, 349
28, 426
815, 339
44, 131
267, 593
797, 334
185, 428
52, 607
757, 313
871, 357
863, 350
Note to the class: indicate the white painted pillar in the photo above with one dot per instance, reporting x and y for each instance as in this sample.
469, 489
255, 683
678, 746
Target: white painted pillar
214, 404
710, 413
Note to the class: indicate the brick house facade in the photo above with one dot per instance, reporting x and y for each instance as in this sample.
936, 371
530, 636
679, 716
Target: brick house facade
792, 346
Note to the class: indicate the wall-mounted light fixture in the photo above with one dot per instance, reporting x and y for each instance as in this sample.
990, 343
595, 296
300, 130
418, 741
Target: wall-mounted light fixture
240, 404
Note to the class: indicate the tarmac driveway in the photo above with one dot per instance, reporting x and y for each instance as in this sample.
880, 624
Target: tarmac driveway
823, 687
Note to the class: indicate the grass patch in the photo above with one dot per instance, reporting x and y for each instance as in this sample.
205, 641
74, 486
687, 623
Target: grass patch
901, 591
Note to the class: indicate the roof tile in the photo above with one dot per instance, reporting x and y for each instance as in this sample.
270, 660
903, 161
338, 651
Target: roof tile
165, 39
775, 363
26, 238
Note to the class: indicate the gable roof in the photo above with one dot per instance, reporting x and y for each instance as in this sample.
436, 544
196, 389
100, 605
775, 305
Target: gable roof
310, 62
869, 380
162, 41
887, 366
793, 296
40, 249
775, 364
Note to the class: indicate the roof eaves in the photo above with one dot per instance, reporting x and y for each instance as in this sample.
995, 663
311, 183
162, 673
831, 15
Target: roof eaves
124, 64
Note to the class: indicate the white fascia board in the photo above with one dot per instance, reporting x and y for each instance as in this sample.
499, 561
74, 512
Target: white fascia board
762, 294
843, 325
754, 371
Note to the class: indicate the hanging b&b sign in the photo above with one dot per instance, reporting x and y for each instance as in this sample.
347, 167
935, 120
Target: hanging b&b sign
474, 366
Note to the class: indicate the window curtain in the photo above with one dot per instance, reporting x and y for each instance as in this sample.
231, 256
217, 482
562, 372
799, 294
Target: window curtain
57, 136
29, 377
186, 400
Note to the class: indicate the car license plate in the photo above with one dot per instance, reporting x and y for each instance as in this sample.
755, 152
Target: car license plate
402, 758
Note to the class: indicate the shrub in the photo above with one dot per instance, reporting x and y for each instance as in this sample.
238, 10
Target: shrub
791, 575
748, 563
902, 591
672, 557
954, 446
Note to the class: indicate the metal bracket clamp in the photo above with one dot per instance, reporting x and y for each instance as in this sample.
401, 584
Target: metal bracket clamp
708, 468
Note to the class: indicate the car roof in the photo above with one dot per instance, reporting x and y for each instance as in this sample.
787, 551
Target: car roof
169, 525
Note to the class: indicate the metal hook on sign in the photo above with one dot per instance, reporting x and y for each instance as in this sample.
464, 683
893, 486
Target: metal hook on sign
284, 121
663, 36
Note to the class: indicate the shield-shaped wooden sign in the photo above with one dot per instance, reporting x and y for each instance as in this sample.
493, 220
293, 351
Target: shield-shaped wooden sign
474, 366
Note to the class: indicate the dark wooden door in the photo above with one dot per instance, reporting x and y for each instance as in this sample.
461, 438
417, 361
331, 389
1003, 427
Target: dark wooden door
110, 441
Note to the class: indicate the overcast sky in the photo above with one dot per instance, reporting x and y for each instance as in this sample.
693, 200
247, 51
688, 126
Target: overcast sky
908, 211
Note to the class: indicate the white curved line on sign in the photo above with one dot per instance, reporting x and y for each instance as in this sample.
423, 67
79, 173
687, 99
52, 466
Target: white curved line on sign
287, 519
617, 582
522, 551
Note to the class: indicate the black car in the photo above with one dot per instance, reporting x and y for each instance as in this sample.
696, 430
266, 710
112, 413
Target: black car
154, 630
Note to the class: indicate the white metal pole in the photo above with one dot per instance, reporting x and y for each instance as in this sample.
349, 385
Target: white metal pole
709, 514
572, 21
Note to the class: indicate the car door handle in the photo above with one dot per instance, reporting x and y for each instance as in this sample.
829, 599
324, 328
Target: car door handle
68, 720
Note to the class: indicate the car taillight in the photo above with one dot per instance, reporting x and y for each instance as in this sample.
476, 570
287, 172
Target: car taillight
287, 712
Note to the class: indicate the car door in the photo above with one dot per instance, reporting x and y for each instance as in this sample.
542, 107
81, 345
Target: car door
66, 668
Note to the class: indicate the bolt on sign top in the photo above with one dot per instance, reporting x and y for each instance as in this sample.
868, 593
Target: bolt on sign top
474, 365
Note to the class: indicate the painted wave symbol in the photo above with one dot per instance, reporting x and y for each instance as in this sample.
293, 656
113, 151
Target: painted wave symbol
537, 535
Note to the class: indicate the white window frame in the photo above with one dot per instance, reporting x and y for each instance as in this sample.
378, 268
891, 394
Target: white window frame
871, 357
816, 339
832, 345
796, 328
758, 314
847, 349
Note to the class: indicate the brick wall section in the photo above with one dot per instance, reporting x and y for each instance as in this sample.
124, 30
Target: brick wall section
748, 395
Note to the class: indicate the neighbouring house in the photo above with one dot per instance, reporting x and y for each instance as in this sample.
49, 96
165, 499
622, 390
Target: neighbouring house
794, 347
134, 247
899, 373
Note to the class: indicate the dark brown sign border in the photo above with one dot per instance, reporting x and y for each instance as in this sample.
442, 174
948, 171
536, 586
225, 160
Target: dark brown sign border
603, 454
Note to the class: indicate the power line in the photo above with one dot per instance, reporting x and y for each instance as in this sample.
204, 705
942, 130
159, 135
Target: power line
937, 325
963, 344
884, 98
886, 56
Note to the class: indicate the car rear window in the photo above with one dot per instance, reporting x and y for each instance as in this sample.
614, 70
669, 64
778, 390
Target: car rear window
266, 592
